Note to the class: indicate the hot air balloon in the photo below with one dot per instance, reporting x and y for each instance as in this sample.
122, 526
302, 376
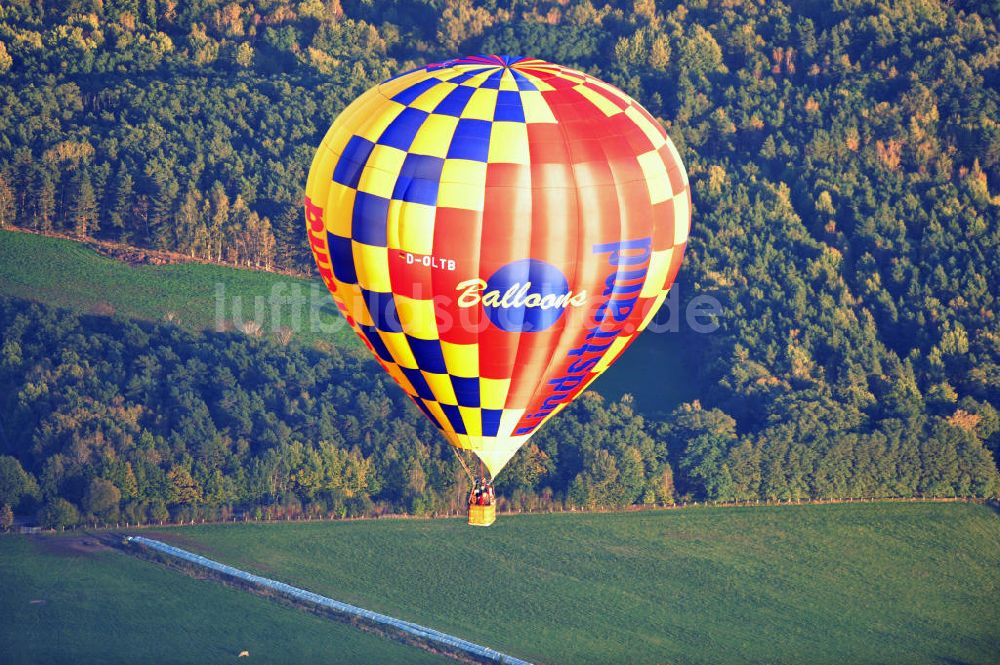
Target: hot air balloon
497, 230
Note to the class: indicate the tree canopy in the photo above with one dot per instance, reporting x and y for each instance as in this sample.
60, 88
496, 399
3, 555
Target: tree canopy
842, 157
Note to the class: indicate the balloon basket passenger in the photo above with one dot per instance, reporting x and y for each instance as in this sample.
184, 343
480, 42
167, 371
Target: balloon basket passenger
482, 504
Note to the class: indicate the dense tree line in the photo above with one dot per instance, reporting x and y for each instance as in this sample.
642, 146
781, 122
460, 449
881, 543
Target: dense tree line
107, 420
842, 157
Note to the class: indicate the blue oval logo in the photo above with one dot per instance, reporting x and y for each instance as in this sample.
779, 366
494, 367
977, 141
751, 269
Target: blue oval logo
526, 296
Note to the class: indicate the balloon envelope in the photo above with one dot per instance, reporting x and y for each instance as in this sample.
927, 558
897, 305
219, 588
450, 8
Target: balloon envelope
497, 231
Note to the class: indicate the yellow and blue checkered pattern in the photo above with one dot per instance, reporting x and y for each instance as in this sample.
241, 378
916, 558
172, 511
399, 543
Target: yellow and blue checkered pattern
453, 170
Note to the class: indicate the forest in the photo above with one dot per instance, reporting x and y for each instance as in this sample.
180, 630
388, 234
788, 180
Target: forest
107, 420
842, 155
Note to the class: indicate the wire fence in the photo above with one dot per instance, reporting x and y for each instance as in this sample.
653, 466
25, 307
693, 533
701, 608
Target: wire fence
502, 510
429, 635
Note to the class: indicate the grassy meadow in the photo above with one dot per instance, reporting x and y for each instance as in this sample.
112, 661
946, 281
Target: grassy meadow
869, 583
63, 605
69, 274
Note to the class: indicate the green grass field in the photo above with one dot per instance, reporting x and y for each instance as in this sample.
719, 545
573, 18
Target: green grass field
63, 606
69, 274
873, 583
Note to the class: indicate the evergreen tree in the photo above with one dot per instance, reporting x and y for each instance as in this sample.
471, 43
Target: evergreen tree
45, 206
85, 221
120, 204
8, 209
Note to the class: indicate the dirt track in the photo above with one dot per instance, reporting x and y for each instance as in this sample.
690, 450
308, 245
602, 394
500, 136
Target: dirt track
73, 545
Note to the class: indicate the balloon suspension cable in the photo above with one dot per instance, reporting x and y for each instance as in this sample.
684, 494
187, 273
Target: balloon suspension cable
461, 459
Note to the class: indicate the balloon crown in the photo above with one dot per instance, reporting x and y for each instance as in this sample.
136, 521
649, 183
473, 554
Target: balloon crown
485, 61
